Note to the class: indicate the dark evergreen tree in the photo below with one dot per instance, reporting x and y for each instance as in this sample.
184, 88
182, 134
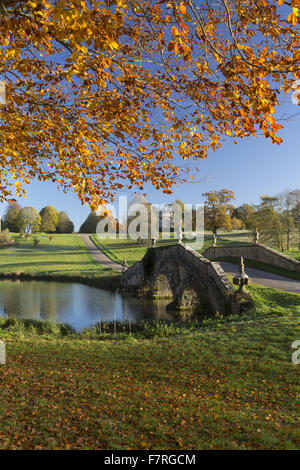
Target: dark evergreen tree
90, 223
64, 224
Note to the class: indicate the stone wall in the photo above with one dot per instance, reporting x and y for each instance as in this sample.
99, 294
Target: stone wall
133, 277
255, 252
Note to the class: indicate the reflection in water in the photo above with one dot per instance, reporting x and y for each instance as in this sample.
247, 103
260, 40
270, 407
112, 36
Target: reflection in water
76, 304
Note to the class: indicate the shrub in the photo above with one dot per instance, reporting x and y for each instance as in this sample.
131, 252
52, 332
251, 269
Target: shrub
36, 241
5, 238
37, 327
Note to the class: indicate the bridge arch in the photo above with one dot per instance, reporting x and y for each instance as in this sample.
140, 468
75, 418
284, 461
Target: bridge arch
190, 299
161, 287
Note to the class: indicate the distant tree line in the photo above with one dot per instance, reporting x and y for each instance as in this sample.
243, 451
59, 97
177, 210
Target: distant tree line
28, 220
277, 218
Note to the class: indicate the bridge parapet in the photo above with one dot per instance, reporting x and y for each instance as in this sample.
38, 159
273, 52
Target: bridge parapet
214, 269
254, 252
133, 276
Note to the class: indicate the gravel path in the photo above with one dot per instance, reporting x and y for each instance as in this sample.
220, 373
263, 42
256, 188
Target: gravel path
98, 254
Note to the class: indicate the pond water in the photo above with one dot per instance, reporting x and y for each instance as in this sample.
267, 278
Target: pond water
77, 304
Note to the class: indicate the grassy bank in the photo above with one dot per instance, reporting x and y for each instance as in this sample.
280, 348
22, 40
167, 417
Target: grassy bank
293, 254
266, 302
219, 383
225, 386
65, 258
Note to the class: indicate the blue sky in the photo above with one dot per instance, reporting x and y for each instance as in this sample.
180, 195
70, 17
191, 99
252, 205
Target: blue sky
251, 168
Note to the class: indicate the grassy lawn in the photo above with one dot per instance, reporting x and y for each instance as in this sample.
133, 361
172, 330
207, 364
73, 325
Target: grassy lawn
267, 300
218, 384
65, 254
227, 386
293, 254
222, 242
118, 249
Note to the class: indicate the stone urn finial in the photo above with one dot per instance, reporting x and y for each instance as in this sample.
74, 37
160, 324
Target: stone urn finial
214, 239
180, 235
256, 236
242, 279
242, 267
125, 265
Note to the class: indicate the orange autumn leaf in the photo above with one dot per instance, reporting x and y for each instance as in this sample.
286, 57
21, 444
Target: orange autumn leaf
182, 8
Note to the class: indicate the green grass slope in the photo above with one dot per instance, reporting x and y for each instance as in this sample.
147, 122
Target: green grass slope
66, 254
227, 386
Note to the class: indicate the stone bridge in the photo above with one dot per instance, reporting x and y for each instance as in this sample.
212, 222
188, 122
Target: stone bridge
191, 281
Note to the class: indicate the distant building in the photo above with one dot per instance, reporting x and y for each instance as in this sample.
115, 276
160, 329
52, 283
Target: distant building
166, 218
